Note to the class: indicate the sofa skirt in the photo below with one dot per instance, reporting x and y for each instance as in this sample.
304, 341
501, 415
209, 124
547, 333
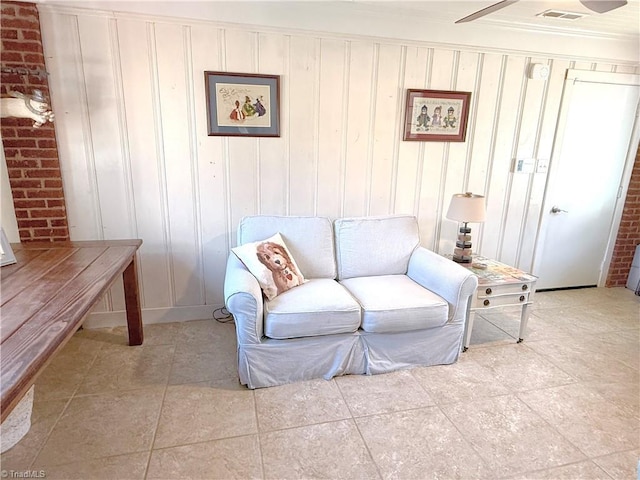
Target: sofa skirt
396, 351
278, 362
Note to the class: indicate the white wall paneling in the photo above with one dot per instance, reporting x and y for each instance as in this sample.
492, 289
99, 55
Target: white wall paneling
386, 129
334, 55
434, 156
302, 124
137, 161
212, 176
359, 124
273, 165
416, 65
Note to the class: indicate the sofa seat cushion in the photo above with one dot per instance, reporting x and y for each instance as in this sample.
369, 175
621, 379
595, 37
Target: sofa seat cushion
395, 303
319, 307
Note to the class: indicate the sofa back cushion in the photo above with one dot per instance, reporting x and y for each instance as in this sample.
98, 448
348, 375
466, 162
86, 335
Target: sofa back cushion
309, 239
369, 246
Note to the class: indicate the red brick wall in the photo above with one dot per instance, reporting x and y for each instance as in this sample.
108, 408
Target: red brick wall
31, 153
629, 233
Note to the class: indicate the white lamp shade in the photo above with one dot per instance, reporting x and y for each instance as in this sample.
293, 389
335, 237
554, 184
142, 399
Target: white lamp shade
467, 207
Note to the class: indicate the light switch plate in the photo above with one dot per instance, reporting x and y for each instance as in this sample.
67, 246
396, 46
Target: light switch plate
525, 165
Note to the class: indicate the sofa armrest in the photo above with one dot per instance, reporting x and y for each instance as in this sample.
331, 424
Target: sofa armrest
444, 277
243, 299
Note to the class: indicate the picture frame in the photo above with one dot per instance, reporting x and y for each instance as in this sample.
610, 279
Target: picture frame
242, 104
436, 115
6, 252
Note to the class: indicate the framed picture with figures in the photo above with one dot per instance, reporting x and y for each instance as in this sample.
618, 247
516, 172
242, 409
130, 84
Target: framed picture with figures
436, 115
242, 104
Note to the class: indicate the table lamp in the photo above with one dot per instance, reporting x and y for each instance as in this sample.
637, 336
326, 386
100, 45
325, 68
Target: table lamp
465, 208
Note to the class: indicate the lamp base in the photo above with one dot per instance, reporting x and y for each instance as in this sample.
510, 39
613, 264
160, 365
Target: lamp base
462, 251
462, 259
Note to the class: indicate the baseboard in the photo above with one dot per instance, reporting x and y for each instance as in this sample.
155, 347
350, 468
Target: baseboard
151, 315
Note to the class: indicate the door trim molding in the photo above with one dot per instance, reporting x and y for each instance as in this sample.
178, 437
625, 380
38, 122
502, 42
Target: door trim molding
620, 201
591, 76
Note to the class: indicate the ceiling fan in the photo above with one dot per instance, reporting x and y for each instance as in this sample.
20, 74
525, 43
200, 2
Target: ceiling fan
599, 6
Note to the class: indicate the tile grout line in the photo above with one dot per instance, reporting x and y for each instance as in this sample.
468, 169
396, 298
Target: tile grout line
258, 432
48, 434
552, 427
593, 459
164, 396
464, 436
71, 397
542, 470
355, 423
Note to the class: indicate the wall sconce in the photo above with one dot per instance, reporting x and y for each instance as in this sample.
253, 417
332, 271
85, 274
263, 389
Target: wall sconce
32, 106
465, 208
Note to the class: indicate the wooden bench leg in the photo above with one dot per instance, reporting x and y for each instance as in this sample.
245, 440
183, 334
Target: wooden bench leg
132, 303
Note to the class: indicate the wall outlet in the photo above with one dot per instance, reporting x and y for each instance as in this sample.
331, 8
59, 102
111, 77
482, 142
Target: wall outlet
543, 165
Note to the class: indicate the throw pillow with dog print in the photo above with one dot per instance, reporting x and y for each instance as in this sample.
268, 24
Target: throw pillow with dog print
270, 261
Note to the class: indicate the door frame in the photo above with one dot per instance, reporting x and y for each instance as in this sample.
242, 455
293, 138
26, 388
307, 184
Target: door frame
571, 78
8, 219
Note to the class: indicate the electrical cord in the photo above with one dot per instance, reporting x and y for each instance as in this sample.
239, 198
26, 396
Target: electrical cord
222, 315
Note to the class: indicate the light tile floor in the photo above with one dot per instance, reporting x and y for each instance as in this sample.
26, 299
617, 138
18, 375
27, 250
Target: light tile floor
565, 404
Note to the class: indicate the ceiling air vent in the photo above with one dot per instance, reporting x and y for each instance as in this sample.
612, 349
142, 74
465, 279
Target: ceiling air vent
561, 14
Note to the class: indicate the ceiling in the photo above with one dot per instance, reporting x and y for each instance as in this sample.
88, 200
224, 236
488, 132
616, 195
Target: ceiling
520, 15
622, 21
611, 36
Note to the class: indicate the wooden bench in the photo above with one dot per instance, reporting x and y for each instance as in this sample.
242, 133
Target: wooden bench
46, 296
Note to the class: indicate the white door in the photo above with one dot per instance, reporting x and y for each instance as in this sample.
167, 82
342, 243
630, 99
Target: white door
589, 165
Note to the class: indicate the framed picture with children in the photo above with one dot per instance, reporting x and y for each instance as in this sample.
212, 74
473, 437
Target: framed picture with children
436, 115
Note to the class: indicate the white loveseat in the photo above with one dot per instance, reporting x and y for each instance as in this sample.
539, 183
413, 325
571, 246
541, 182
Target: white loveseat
375, 301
